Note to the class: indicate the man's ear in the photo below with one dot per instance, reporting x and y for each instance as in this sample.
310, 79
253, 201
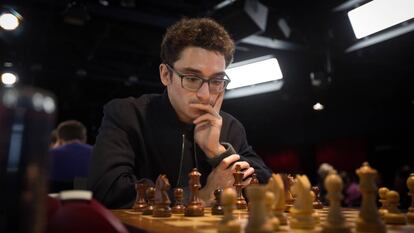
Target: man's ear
164, 74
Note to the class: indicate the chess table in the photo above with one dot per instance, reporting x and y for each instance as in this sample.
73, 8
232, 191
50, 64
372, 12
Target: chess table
178, 223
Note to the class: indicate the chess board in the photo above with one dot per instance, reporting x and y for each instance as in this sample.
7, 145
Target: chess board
136, 222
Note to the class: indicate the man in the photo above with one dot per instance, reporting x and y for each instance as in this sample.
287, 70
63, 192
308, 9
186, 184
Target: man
70, 159
179, 130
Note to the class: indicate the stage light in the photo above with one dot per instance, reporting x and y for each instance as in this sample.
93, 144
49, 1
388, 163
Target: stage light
378, 15
253, 72
254, 76
318, 107
8, 79
9, 21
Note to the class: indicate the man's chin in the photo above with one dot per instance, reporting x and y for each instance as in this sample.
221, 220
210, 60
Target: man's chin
195, 114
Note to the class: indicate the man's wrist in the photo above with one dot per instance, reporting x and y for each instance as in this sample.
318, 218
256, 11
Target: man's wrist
220, 150
229, 150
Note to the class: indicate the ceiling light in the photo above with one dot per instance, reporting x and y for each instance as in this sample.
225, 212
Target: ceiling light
9, 21
255, 71
378, 15
255, 76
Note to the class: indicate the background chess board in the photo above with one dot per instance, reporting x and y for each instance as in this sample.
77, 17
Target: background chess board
136, 222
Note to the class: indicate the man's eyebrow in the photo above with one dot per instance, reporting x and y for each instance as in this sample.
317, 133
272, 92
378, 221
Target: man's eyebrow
198, 72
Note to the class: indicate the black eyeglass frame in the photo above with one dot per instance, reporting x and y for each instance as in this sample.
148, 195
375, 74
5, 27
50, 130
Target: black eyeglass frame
226, 80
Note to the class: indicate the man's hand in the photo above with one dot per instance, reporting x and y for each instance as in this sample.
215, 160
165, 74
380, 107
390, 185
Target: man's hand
208, 127
222, 176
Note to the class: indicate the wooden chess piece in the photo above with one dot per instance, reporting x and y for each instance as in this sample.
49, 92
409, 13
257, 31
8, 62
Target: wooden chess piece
275, 185
162, 201
382, 193
217, 208
317, 204
410, 186
302, 210
254, 179
288, 182
140, 203
150, 193
270, 202
335, 221
315, 214
368, 219
195, 207
238, 179
228, 200
394, 215
258, 218
178, 207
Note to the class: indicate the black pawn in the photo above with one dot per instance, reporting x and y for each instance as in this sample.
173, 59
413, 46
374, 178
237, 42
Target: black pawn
217, 209
151, 196
179, 207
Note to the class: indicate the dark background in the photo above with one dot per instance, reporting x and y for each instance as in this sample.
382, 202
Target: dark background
111, 50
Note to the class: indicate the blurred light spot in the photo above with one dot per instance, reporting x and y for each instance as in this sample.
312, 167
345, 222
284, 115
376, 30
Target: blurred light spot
9, 21
37, 100
318, 107
8, 79
49, 105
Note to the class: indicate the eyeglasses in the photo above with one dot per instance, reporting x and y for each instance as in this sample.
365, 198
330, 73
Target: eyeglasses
193, 82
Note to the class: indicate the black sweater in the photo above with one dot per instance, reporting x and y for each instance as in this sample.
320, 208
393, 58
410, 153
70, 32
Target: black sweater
142, 138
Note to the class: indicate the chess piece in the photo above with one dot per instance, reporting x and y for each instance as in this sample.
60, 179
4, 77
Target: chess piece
254, 179
410, 186
269, 204
302, 210
217, 208
368, 219
238, 179
194, 207
315, 214
335, 221
162, 201
150, 193
382, 193
288, 181
140, 203
178, 207
394, 215
228, 224
317, 204
276, 186
258, 218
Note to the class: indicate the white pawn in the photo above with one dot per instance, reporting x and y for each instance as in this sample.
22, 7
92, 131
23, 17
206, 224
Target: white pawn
258, 219
368, 219
382, 193
228, 224
335, 222
270, 202
394, 215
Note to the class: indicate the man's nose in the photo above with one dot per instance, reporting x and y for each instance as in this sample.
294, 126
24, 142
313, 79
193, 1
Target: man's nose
204, 91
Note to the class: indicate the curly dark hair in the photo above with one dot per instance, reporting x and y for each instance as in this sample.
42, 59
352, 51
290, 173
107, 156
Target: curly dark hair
199, 32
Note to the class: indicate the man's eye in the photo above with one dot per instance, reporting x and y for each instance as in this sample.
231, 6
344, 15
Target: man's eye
217, 82
193, 79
